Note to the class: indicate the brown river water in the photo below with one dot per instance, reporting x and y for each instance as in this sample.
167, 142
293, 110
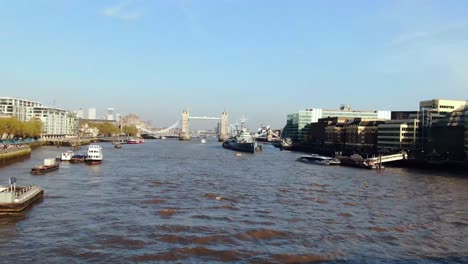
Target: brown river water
187, 202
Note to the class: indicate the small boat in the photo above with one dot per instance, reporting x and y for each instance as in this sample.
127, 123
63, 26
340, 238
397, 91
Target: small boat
135, 141
203, 140
118, 146
49, 165
94, 155
318, 159
15, 199
78, 158
66, 156
285, 144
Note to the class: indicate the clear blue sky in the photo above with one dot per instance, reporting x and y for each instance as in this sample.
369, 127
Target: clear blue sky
261, 58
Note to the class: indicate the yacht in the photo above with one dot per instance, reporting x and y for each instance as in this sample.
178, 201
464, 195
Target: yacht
318, 159
94, 155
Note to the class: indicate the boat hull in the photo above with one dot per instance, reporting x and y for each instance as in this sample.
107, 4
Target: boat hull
44, 169
244, 147
93, 162
319, 162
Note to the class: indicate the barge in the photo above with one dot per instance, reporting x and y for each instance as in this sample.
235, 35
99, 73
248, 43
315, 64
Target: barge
14, 199
49, 165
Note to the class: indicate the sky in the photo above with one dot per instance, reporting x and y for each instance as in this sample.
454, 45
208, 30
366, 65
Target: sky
262, 59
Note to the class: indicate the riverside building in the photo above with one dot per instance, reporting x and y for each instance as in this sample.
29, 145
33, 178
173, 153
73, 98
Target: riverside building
58, 123
432, 110
399, 134
21, 109
296, 122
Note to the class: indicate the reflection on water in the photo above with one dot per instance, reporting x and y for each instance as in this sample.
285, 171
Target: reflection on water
190, 202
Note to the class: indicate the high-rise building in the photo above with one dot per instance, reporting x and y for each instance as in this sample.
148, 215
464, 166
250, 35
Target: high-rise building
110, 114
19, 108
80, 113
92, 113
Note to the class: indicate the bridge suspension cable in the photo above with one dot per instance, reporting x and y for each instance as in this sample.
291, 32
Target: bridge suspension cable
176, 124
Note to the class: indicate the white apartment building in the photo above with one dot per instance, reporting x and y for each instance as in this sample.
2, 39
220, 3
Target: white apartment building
57, 122
21, 109
399, 134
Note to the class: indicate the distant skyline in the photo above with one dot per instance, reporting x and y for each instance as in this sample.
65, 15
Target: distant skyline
262, 59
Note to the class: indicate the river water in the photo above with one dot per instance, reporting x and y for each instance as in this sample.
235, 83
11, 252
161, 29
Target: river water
189, 202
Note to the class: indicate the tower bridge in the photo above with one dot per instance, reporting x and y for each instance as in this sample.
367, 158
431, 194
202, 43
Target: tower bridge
183, 124
223, 132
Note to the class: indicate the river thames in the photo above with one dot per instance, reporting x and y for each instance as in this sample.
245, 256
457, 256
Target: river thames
189, 202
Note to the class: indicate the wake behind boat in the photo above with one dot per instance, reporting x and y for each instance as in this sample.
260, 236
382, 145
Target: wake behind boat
318, 159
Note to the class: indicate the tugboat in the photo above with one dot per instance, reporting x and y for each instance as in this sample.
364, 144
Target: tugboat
15, 199
243, 141
49, 165
317, 159
94, 155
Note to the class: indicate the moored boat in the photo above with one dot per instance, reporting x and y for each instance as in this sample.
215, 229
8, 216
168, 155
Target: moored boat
358, 161
243, 141
14, 198
94, 155
285, 144
78, 158
66, 156
49, 165
318, 159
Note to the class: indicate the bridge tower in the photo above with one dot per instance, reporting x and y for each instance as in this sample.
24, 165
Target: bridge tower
223, 127
185, 133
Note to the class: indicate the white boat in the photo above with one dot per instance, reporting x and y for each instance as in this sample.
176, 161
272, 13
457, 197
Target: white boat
203, 140
318, 159
94, 155
66, 155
